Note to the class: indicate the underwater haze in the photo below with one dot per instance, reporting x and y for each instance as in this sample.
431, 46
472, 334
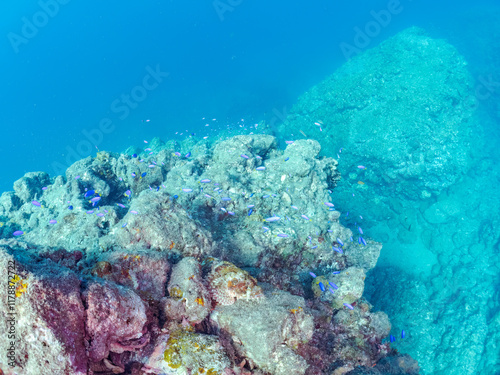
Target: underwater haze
402, 97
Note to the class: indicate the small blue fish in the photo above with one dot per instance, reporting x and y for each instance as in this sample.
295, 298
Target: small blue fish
188, 154
403, 334
272, 219
251, 206
18, 233
333, 285
134, 155
321, 286
250, 211
362, 241
360, 230
312, 274
260, 168
287, 159
337, 249
305, 217
349, 306
230, 212
89, 193
205, 181
329, 204
314, 247
335, 272
282, 235
100, 214
187, 190
124, 225
176, 196
392, 338
133, 174
226, 199
36, 203
70, 207
340, 242
265, 229
331, 290
95, 199
143, 175
52, 221
295, 207
244, 156
266, 196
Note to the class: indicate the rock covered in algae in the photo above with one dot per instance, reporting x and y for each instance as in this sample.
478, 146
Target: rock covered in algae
116, 319
194, 353
345, 287
189, 297
30, 186
43, 315
156, 221
228, 283
268, 331
145, 272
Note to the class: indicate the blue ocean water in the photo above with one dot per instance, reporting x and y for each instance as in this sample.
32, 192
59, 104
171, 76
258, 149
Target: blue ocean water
82, 77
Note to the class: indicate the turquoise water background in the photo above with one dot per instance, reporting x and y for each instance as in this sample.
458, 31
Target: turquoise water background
230, 64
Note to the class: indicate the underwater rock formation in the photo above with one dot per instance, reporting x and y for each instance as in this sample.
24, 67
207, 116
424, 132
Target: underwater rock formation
403, 110
160, 263
267, 331
44, 313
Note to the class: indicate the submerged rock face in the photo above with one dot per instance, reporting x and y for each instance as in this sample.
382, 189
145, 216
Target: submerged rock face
175, 264
44, 316
268, 331
403, 110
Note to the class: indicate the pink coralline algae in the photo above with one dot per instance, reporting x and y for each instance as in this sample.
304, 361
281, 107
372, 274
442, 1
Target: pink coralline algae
116, 319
